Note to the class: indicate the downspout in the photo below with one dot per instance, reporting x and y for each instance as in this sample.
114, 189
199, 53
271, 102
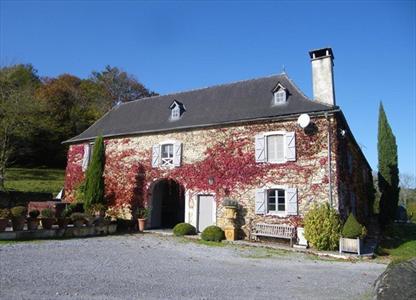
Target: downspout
329, 158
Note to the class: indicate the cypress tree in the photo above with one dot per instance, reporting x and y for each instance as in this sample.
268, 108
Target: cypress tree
388, 171
94, 180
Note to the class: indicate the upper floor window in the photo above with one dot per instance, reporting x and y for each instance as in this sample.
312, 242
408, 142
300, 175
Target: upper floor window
175, 113
167, 155
279, 96
275, 147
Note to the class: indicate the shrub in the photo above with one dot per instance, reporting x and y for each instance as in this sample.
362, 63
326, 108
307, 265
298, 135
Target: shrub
77, 216
4, 213
47, 213
322, 227
18, 211
34, 213
352, 229
76, 207
184, 229
67, 212
213, 233
143, 213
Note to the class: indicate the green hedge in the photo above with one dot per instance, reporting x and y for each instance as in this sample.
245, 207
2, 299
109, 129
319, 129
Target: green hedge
184, 229
213, 233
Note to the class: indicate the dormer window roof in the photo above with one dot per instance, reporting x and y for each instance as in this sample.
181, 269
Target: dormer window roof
279, 94
177, 109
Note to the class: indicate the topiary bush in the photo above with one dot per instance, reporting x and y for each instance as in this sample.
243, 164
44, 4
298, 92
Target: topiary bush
47, 213
4, 213
184, 229
322, 227
352, 229
18, 211
213, 233
34, 213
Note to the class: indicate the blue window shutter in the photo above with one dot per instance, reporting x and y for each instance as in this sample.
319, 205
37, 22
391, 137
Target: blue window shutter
290, 146
156, 156
260, 148
291, 195
260, 201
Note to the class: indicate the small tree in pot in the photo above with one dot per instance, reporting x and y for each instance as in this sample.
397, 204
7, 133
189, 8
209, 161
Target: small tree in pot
352, 235
4, 218
63, 218
142, 215
47, 218
18, 217
33, 221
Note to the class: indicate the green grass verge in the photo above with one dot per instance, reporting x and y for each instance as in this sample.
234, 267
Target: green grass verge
398, 242
35, 180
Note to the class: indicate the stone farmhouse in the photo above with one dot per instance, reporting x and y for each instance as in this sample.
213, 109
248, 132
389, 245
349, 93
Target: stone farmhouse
182, 154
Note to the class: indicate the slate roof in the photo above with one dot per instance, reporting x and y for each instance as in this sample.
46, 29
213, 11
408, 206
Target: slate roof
227, 103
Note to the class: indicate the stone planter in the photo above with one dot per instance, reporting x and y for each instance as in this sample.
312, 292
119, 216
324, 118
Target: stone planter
3, 224
112, 228
63, 223
32, 223
47, 223
301, 237
230, 212
350, 245
230, 233
18, 223
142, 224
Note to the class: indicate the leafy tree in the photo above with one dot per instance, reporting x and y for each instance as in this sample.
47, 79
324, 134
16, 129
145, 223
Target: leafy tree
94, 180
17, 111
388, 171
119, 86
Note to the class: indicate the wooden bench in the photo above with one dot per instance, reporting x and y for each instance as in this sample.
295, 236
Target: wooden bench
275, 231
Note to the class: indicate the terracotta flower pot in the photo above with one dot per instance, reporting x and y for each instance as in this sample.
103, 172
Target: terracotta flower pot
47, 223
18, 223
63, 223
32, 223
142, 224
3, 224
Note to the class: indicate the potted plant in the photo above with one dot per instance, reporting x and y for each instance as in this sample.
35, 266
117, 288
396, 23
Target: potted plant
98, 210
78, 219
18, 217
63, 218
47, 218
352, 235
142, 215
33, 221
4, 218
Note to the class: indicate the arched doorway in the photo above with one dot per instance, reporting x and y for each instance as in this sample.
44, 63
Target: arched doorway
168, 204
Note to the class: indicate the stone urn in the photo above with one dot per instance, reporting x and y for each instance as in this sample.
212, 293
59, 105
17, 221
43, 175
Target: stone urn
32, 223
230, 215
47, 223
18, 223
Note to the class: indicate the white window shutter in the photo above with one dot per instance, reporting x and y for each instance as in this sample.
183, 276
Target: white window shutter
260, 201
290, 146
260, 148
155, 156
86, 157
291, 201
177, 154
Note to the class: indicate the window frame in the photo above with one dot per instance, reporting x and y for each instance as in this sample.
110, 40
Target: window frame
175, 112
166, 163
279, 94
266, 150
276, 197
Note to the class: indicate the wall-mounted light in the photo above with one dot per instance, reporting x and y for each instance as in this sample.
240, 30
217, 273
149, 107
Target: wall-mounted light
210, 180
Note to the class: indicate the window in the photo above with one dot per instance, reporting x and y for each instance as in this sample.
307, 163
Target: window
275, 148
279, 97
167, 155
175, 113
176, 110
276, 201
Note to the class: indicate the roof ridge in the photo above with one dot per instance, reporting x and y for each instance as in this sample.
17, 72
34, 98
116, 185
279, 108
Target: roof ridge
207, 87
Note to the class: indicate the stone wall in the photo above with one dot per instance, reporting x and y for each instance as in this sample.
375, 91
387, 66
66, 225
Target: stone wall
226, 155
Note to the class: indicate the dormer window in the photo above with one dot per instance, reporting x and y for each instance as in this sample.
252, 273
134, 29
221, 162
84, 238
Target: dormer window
176, 110
279, 95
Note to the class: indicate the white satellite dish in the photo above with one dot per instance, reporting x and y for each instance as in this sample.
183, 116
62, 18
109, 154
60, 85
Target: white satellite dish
304, 120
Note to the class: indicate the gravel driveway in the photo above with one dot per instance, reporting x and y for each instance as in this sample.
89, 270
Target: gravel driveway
155, 267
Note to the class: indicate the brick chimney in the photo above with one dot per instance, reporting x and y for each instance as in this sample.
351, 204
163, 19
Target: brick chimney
322, 75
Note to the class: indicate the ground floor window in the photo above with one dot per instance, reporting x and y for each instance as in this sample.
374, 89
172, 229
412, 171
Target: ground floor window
276, 201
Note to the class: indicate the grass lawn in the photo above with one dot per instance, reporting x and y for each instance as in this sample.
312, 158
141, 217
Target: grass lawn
399, 242
35, 180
